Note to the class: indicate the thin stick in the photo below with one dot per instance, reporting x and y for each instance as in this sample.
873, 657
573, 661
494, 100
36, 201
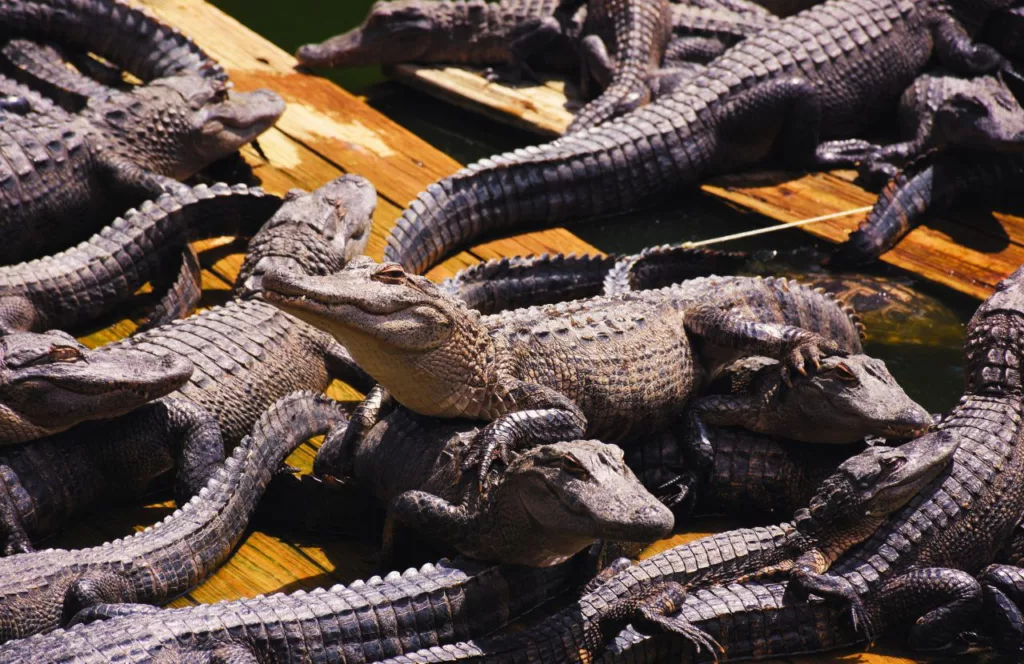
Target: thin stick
773, 229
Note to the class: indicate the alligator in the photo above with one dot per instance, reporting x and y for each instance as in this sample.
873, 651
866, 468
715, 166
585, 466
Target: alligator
930, 550
779, 92
624, 42
559, 372
548, 504
247, 353
365, 621
42, 590
851, 504
514, 36
116, 153
78, 285
44, 67
123, 35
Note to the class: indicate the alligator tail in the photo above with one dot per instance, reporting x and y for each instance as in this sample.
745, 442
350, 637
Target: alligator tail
111, 29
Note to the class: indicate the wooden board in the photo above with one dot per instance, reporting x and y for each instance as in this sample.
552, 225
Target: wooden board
325, 132
965, 253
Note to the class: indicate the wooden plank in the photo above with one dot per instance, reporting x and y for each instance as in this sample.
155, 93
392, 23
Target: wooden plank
955, 251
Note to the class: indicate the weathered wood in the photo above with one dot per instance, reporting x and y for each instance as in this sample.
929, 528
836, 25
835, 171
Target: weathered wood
949, 250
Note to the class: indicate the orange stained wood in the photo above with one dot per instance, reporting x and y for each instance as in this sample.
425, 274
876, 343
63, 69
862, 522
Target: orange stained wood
325, 132
964, 252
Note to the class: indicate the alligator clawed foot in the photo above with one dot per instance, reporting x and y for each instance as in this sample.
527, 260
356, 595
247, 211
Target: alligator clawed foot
659, 611
807, 353
481, 456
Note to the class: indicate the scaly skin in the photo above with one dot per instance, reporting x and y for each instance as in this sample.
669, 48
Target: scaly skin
568, 369
929, 186
44, 67
42, 590
625, 43
247, 353
778, 92
124, 35
118, 152
362, 622
549, 504
514, 35
77, 286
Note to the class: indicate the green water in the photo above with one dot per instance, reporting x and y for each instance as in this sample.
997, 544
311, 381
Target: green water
922, 351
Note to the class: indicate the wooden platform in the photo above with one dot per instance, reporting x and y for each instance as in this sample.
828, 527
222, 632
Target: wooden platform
968, 253
324, 133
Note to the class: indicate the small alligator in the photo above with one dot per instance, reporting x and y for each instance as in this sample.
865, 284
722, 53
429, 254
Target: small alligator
827, 73
76, 286
247, 353
548, 504
45, 68
850, 505
123, 35
118, 152
50, 382
362, 622
624, 43
43, 590
562, 371
515, 36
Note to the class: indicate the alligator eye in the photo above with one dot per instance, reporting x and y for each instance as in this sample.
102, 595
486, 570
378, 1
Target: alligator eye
894, 463
65, 354
389, 274
845, 374
571, 465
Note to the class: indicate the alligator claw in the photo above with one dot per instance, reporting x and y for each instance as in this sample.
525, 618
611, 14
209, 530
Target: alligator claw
659, 610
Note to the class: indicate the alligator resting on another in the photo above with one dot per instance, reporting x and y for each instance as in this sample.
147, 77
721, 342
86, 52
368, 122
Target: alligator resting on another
42, 590
830, 72
563, 371
119, 151
548, 504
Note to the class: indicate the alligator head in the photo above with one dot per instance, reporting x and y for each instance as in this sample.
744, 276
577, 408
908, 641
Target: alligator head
393, 32
571, 494
847, 399
50, 382
178, 125
878, 481
312, 233
984, 115
402, 329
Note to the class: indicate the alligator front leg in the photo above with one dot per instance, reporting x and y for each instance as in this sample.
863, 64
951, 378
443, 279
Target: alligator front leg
958, 51
541, 416
429, 515
528, 42
807, 576
1003, 589
796, 348
597, 66
334, 456
196, 433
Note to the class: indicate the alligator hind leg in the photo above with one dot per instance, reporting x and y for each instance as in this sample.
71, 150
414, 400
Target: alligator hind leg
92, 589
181, 294
531, 39
18, 314
1003, 588
334, 456
13, 536
950, 599
597, 66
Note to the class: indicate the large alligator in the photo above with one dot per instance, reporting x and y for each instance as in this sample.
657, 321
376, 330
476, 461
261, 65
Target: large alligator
513, 35
624, 43
548, 504
827, 73
562, 371
42, 590
76, 286
929, 551
116, 153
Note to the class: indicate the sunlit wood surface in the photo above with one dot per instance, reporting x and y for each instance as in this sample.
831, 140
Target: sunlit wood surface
970, 252
325, 132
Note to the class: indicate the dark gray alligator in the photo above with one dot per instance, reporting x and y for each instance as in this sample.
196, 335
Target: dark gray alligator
559, 372
916, 571
247, 353
624, 43
362, 622
76, 286
515, 36
116, 153
43, 590
548, 504
779, 92
851, 504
